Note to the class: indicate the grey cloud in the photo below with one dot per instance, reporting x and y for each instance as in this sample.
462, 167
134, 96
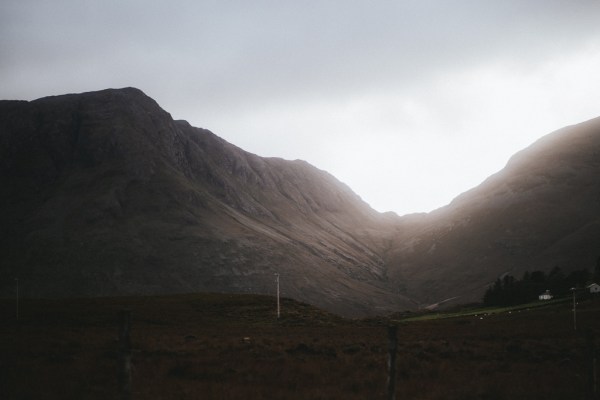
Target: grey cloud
236, 51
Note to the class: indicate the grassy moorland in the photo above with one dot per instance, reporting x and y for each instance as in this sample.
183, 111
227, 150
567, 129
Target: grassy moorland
232, 347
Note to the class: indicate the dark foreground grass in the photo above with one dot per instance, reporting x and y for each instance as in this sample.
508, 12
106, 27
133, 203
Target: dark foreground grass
232, 347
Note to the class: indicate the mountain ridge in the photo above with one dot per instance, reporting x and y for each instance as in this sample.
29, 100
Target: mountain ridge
106, 194
522, 218
102, 180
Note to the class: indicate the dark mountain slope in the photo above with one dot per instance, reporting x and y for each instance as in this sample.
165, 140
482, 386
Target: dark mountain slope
542, 210
106, 194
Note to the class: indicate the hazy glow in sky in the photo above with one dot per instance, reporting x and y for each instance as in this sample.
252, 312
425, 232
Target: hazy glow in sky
408, 102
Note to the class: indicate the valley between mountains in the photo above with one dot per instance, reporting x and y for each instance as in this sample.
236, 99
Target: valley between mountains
104, 194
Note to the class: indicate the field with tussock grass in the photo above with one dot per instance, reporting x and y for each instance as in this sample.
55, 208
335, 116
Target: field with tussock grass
209, 346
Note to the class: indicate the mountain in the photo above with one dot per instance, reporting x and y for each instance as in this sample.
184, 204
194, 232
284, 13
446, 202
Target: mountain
542, 210
105, 194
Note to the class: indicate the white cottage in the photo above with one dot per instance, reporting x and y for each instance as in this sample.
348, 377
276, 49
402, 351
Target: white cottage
593, 288
546, 295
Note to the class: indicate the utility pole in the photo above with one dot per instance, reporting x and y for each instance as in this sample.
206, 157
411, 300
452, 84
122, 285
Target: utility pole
574, 309
393, 349
278, 306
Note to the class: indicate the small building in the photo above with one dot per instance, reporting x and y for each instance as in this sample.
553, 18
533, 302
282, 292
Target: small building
546, 295
593, 288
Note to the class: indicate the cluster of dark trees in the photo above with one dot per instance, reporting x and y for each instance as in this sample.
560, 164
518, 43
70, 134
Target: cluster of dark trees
511, 291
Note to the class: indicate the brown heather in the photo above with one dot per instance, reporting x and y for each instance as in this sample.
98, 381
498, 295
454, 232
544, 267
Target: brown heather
232, 347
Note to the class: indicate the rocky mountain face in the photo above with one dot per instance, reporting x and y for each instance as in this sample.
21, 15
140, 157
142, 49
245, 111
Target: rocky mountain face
105, 194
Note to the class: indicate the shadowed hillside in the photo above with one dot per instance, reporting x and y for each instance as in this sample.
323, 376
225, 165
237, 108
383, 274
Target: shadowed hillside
105, 194
108, 195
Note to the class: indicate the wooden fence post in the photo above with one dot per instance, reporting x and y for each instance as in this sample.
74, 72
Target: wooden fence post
592, 379
17, 282
125, 354
393, 348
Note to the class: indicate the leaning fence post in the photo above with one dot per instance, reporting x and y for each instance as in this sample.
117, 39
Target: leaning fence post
125, 354
591, 351
392, 347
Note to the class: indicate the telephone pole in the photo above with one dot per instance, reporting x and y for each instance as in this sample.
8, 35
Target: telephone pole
278, 306
574, 308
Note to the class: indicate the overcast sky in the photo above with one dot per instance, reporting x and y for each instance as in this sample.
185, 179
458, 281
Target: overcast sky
410, 103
